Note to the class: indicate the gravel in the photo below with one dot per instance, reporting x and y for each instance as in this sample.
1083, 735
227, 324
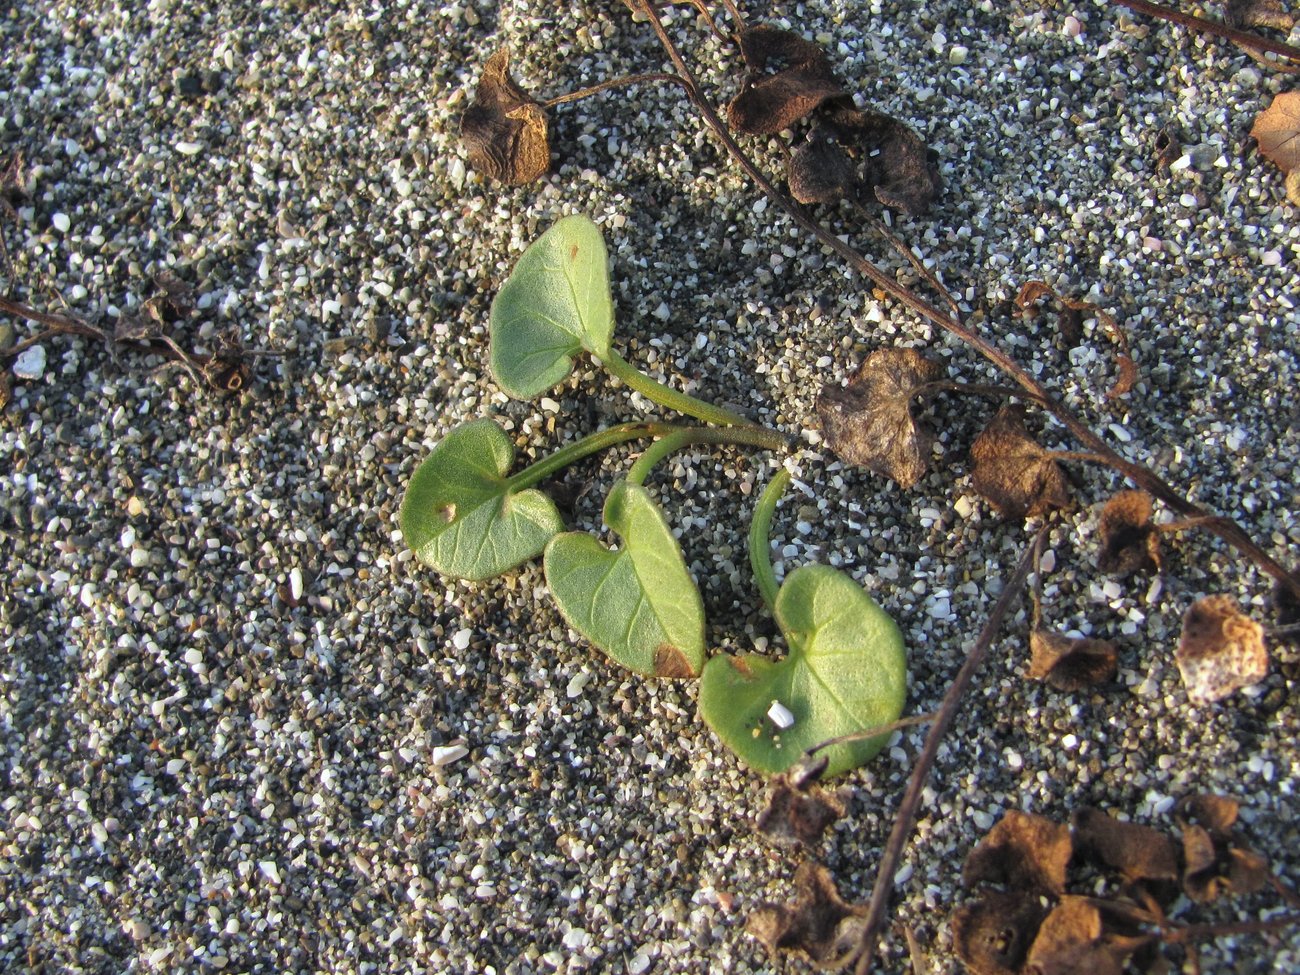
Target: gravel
243, 730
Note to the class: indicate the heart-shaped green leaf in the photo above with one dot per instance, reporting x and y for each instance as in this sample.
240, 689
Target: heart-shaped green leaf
638, 604
554, 305
846, 672
460, 515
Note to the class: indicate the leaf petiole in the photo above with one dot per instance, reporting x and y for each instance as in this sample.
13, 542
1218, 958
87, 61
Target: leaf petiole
670, 398
685, 436
760, 555
588, 445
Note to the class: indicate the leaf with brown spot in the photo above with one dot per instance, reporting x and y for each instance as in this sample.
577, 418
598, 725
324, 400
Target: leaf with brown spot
799, 811
1071, 663
1073, 940
1277, 130
869, 422
992, 936
774, 100
818, 923
1137, 852
1017, 476
1024, 852
1220, 650
1129, 542
505, 130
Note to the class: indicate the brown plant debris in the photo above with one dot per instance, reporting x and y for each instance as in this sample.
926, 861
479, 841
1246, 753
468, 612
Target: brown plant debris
505, 130
1073, 312
1277, 130
1024, 852
1137, 852
1215, 861
799, 811
772, 100
869, 422
992, 935
1071, 663
1257, 13
819, 171
1017, 476
1216, 813
1286, 607
1074, 940
1220, 651
1129, 542
817, 923
898, 167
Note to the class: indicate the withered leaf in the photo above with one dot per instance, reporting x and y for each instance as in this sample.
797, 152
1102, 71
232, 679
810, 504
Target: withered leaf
1216, 813
1073, 940
1258, 13
770, 102
1286, 605
1071, 663
1024, 852
818, 923
1213, 866
899, 168
1070, 325
1277, 130
819, 171
1017, 476
869, 422
1137, 852
992, 936
505, 130
1220, 650
799, 811
1129, 542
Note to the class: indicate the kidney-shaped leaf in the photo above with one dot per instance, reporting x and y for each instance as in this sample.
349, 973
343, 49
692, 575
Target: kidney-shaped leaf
638, 604
555, 304
846, 672
460, 516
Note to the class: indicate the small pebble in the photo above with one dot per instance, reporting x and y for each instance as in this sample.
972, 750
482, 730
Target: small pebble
446, 754
30, 363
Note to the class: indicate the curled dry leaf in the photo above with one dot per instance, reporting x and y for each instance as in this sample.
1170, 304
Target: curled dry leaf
1017, 476
799, 811
1129, 542
1023, 851
1070, 325
505, 130
819, 171
992, 936
1220, 650
1137, 852
818, 923
1277, 130
1073, 940
869, 422
1216, 813
1214, 867
774, 100
1071, 663
1257, 13
898, 166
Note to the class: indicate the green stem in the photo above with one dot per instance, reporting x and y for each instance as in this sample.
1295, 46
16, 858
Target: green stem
760, 554
588, 445
685, 436
668, 397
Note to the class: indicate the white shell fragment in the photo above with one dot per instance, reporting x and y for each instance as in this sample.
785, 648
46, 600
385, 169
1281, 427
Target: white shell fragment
780, 715
446, 754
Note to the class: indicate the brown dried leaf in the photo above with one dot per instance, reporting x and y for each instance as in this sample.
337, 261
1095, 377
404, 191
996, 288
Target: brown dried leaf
770, 102
898, 168
1013, 472
1071, 663
1074, 941
505, 130
869, 422
1277, 130
1293, 186
1129, 542
1215, 813
1024, 852
799, 811
992, 936
1070, 325
1286, 606
1137, 852
1257, 13
817, 923
819, 170
1220, 650
1213, 867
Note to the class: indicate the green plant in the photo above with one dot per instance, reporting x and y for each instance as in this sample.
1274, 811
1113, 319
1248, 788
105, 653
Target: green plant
466, 516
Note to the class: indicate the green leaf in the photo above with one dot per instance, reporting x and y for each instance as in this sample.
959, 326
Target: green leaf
460, 515
846, 672
638, 604
554, 305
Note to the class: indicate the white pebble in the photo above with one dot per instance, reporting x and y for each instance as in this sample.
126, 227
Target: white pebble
270, 870
127, 538
139, 558
1271, 258
576, 684
576, 938
549, 405
30, 363
461, 640
1073, 27
639, 964
189, 148
957, 54
61, 223
446, 754
1048, 562
941, 608
295, 584
780, 715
